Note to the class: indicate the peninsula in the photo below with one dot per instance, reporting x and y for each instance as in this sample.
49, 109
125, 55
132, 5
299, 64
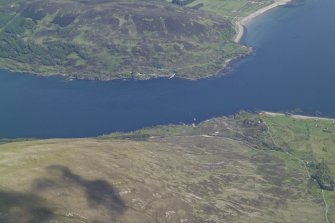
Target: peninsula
141, 39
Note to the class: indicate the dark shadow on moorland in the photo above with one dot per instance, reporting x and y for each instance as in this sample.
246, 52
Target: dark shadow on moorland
31, 207
23, 208
99, 193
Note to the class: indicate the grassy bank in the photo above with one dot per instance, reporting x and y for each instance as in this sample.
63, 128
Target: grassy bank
244, 168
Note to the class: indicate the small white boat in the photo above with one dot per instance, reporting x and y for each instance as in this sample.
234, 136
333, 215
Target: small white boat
172, 76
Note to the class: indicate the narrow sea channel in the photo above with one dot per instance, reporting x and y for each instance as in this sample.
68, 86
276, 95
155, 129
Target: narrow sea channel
292, 68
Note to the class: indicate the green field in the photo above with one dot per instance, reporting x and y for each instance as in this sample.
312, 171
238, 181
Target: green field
120, 39
244, 168
231, 9
313, 142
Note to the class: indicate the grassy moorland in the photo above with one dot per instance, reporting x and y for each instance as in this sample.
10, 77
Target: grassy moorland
105, 40
244, 168
311, 142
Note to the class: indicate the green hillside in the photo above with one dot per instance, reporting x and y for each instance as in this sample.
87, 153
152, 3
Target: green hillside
105, 40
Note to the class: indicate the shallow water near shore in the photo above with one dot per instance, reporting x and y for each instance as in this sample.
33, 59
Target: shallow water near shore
292, 68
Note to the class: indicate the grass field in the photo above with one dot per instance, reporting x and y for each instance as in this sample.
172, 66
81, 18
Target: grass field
311, 140
222, 170
232, 9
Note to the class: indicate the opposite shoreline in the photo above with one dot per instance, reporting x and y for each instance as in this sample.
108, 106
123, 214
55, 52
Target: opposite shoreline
241, 23
227, 65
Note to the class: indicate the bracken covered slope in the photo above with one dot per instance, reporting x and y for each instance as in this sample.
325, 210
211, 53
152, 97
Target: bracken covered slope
222, 170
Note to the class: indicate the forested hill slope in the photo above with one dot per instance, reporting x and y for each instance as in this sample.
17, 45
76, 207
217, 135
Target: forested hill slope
108, 39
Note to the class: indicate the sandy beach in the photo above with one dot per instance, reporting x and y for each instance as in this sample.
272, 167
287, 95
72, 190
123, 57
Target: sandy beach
241, 23
296, 116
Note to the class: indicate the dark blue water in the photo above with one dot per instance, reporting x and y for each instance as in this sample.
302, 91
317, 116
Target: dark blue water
293, 68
